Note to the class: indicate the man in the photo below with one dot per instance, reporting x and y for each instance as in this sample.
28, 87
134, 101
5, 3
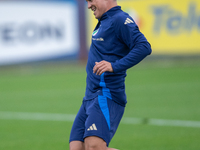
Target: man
117, 44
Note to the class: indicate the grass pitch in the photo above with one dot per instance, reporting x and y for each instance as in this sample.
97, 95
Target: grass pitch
161, 90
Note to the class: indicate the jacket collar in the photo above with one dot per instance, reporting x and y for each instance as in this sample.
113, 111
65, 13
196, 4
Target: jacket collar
110, 12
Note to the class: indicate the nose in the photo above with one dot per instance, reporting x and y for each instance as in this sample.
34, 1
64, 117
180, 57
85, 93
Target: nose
89, 5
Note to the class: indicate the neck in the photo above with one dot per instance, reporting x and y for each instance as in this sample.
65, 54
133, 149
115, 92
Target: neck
111, 4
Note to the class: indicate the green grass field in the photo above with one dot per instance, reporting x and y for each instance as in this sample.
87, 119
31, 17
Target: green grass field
155, 89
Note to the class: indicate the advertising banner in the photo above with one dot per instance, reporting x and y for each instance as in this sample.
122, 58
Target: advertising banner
172, 27
37, 30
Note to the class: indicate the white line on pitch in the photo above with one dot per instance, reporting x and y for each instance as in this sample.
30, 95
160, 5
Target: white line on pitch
36, 116
70, 118
161, 122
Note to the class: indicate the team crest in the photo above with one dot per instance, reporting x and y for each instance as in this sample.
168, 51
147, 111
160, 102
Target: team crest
95, 32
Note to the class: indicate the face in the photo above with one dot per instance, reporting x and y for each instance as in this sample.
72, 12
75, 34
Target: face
99, 7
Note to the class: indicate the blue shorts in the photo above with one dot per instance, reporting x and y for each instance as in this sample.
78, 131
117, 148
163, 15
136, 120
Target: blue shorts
97, 117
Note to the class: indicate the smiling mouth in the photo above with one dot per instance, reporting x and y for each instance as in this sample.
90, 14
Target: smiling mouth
93, 8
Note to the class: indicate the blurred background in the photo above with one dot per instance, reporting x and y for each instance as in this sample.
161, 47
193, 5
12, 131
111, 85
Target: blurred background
43, 54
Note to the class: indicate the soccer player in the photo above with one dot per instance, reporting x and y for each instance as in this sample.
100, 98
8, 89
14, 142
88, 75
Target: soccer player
117, 44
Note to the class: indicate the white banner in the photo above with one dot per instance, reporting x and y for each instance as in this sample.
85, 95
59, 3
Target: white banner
31, 31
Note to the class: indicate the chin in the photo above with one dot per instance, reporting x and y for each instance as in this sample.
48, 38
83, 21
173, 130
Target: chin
97, 17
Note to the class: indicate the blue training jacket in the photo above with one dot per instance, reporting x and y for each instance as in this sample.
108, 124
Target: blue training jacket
115, 39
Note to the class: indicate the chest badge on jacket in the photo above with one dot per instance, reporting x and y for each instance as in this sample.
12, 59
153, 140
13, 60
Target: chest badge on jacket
95, 32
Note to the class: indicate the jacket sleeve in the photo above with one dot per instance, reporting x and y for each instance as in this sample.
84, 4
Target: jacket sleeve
136, 42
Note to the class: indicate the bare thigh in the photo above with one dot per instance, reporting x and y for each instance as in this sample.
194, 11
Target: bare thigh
94, 143
76, 145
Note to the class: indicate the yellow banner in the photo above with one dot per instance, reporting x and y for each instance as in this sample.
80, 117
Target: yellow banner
171, 26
